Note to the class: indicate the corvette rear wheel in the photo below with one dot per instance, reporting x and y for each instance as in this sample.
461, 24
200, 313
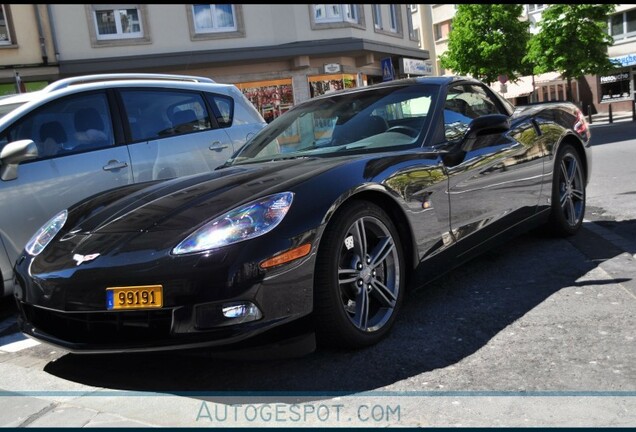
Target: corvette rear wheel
359, 281
568, 192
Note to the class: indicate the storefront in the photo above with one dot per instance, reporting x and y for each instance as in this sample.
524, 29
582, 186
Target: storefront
271, 98
619, 86
322, 84
615, 87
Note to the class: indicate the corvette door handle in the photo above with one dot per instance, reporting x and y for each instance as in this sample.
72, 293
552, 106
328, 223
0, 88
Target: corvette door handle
217, 147
114, 164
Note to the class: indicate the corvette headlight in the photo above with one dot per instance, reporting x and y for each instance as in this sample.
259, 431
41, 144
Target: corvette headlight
246, 222
45, 234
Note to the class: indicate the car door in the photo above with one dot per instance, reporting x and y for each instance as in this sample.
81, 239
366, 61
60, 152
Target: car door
74, 161
498, 181
172, 133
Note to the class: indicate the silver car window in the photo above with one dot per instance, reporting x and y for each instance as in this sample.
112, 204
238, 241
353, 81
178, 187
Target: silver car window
156, 114
70, 125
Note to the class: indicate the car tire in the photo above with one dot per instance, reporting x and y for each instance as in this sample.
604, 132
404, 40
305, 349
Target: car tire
568, 192
359, 279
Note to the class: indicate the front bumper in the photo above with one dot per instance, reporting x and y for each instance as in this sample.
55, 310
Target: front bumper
143, 331
67, 308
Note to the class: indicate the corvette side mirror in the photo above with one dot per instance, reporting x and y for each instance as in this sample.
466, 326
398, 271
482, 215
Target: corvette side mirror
485, 125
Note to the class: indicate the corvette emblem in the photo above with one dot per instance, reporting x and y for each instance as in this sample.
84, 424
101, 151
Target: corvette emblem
84, 258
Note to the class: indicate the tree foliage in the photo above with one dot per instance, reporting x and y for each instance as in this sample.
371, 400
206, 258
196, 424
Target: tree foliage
572, 40
487, 40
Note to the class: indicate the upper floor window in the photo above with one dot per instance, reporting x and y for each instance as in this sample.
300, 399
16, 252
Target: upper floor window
5, 29
325, 13
394, 18
442, 30
209, 18
117, 22
623, 25
377, 16
535, 7
387, 19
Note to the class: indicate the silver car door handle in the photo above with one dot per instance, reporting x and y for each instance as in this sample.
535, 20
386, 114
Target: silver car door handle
114, 164
217, 147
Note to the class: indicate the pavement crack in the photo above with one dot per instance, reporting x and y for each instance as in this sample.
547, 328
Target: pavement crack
37, 415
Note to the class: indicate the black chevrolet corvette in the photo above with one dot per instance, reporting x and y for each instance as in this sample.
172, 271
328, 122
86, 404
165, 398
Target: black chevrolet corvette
322, 222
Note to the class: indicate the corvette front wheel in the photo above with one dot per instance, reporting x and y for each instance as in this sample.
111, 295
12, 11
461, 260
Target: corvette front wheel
359, 281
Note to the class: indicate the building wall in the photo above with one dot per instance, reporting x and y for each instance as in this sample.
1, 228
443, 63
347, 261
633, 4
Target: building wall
26, 54
273, 45
168, 30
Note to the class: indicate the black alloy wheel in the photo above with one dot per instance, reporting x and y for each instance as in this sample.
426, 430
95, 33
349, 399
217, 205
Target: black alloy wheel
360, 277
568, 192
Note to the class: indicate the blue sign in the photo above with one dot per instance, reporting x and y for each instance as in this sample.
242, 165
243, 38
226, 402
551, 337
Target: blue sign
626, 60
388, 74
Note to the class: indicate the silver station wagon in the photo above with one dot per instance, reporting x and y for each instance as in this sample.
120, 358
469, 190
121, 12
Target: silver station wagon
84, 135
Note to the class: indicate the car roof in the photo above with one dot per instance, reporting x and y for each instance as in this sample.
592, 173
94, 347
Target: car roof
19, 97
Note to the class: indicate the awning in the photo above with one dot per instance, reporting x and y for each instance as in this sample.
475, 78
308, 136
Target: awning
510, 90
523, 86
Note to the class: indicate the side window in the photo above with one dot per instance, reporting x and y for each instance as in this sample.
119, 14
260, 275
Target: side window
237, 105
69, 125
156, 114
223, 108
463, 104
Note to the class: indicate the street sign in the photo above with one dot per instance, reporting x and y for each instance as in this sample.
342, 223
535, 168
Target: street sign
388, 74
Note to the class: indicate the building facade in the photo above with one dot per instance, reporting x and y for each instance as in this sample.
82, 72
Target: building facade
279, 55
26, 47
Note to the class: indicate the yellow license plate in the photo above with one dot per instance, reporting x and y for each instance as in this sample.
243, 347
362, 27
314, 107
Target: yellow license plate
134, 297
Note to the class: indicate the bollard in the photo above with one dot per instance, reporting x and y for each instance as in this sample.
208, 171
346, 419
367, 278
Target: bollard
589, 114
611, 120
634, 111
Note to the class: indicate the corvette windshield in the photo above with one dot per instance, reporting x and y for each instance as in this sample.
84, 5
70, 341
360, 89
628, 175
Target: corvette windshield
361, 120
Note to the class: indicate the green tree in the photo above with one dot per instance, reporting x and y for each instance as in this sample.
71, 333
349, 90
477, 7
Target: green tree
573, 41
487, 40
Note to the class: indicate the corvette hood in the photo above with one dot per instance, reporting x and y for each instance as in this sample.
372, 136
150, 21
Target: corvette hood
186, 202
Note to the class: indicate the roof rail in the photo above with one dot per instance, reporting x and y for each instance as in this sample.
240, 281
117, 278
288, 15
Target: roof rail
59, 84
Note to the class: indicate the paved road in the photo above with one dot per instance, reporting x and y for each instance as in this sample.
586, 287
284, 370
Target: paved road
539, 332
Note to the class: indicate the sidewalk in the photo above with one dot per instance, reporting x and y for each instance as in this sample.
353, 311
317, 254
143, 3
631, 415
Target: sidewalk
603, 118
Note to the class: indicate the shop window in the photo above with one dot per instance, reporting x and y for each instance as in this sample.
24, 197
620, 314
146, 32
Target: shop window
623, 25
615, 87
6, 30
271, 98
322, 84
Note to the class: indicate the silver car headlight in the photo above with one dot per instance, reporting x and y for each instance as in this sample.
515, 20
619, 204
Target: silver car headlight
45, 234
243, 223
